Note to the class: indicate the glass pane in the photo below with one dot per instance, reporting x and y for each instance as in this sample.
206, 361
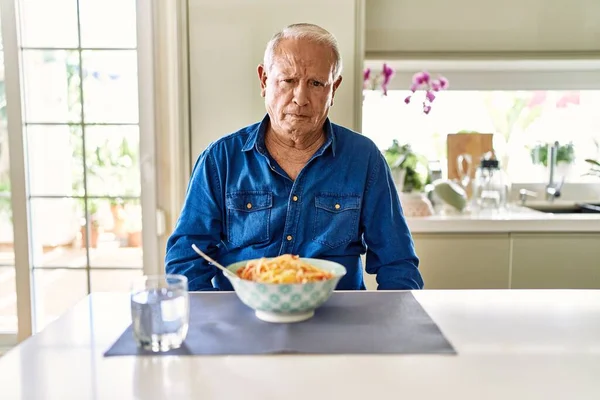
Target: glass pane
51, 82
8, 300
55, 291
97, 15
58, 232
55, 158
110, 86
113, 280
112, 160
117, 232
39, 30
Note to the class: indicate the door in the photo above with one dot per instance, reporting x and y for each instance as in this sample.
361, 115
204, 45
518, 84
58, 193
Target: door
79, 112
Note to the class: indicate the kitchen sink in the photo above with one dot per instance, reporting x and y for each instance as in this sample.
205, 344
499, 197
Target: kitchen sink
566, 208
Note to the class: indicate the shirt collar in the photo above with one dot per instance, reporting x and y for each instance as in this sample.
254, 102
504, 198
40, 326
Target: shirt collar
256, 139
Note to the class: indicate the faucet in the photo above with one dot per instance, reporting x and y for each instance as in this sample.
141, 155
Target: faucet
553, 188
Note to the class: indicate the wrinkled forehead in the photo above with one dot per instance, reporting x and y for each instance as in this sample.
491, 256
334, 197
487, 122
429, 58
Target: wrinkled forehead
304, 56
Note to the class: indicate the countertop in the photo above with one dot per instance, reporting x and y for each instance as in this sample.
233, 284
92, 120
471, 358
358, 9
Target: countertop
514, 219
511, 344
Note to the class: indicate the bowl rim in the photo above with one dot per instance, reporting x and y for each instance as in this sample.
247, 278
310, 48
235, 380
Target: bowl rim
336, 276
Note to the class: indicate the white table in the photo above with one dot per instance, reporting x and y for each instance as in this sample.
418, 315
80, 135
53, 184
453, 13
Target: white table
511, 344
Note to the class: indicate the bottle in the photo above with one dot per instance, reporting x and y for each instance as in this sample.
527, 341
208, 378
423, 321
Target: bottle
490, 186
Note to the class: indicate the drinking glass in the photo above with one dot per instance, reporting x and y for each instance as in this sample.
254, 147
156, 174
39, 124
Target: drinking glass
160, 311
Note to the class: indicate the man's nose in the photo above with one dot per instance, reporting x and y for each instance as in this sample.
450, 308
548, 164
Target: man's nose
301, 95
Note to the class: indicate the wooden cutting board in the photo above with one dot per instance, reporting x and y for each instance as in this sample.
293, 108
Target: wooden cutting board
474, 144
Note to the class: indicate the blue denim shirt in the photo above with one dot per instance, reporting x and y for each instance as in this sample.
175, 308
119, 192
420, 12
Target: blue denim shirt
241, 205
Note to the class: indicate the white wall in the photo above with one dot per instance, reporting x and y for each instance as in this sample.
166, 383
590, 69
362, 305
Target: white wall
227, 39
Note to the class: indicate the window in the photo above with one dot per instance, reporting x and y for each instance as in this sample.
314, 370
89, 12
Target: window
524, 122
525, 104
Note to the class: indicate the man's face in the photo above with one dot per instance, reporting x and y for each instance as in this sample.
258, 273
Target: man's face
299, 86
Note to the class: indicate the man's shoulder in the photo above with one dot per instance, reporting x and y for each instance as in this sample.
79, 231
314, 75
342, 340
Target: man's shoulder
353, 139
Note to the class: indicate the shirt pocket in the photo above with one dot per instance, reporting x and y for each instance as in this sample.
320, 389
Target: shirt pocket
336, 218
248, 217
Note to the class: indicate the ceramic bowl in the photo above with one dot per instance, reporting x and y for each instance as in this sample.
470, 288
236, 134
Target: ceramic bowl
283, 303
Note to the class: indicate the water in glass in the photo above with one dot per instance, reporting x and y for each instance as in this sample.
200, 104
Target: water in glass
160, 312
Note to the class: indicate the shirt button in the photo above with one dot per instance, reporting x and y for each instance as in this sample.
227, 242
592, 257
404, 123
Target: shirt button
289, 237
337, 206
249, 206
295, 198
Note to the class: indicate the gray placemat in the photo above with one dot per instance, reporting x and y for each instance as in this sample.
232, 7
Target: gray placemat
359, 322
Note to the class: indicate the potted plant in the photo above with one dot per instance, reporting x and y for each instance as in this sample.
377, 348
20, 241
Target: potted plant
134, 225
411, 173
409, 169
565, 157
594, 167
565, 154
119, 218
94, 229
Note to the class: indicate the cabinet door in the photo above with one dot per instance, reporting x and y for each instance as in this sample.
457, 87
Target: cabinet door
227, 40
464, 261
527, 26
556, 261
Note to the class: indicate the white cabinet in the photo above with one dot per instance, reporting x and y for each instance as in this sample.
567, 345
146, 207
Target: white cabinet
227, 40
556, 261
482, 26
464, 261
550, 260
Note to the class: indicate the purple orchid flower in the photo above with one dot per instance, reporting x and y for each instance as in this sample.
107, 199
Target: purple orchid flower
421, 78
383, 78
443, 82
423, 81
387, 73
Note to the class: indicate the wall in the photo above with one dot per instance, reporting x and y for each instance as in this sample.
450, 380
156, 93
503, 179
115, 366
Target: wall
227, 40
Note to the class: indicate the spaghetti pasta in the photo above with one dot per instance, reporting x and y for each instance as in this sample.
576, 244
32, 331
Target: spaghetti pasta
286, 268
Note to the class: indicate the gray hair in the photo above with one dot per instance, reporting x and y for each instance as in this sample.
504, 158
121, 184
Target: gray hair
305, 31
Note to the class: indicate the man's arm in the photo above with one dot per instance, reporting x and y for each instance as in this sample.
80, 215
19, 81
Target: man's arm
200, 223
390, 247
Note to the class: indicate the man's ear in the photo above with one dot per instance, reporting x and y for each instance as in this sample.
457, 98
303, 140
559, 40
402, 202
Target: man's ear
262, 77
336, 84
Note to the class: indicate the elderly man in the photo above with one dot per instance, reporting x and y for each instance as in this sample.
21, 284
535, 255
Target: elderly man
295, 183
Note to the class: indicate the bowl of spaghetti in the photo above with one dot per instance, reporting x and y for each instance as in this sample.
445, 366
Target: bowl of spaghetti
285, 288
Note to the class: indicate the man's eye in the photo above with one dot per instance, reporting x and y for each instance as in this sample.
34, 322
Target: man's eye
288, 80
317, 83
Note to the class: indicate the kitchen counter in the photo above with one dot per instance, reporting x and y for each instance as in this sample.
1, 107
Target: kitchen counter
515, 219
511, 344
